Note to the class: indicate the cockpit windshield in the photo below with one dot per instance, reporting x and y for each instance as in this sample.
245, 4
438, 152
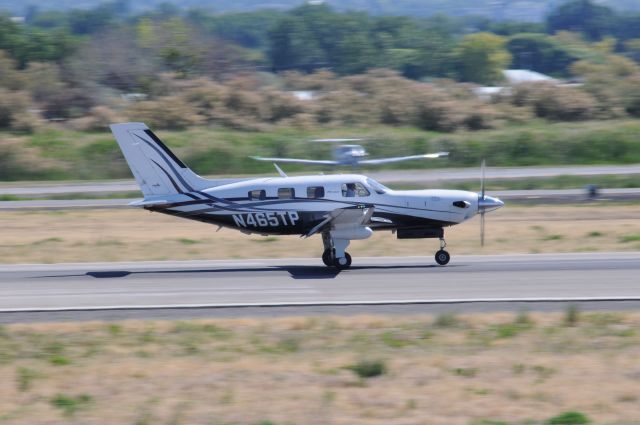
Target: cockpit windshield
379, 188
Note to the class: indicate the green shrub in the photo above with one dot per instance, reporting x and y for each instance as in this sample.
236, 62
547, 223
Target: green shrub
467, 372
59, 360
114, 329
368, 368
446, 320
569, 418
524, 319
572, 315
69, 404
508, 330
630, 238
394, 340
25, 376
288, 345
169, 112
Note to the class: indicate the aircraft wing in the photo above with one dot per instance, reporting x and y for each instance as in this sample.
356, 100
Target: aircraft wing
344, 217
296, 161
403, 158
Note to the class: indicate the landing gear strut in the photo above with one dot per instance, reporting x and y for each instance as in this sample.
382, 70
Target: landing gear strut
334, 254
442, 256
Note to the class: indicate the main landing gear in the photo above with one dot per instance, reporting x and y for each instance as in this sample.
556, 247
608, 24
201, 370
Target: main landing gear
329, 259
334, 254
442, 256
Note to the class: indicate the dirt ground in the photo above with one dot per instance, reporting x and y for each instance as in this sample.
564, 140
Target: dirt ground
485, 369
122, 235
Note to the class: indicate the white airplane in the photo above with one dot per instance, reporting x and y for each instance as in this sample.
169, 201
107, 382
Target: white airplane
351, 155
341, 208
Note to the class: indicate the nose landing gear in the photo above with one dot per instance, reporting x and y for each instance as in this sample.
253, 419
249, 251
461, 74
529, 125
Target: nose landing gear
442, 256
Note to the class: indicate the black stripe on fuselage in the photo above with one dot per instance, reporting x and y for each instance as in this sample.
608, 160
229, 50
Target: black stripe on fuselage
261, 204
308, 220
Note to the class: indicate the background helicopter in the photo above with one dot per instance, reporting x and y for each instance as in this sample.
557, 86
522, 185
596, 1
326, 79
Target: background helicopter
350, 155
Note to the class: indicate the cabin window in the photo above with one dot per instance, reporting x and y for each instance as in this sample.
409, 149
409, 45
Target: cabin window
315, 192
286, 193
350, 190
258, 194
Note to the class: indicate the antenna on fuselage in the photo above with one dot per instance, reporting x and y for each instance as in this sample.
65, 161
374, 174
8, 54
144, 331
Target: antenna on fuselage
282, 173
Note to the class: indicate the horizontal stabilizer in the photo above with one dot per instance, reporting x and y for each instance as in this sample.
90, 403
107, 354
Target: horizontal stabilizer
150, 202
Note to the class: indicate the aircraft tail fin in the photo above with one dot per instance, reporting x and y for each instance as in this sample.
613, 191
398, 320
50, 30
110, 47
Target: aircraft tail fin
156, 169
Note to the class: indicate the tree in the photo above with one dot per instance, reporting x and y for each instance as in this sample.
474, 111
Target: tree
10, 77
481, 57
584, 16
292, 45
628, 27
249, 29
539, 53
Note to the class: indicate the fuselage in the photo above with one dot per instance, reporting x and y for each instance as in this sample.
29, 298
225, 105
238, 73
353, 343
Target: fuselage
294, 205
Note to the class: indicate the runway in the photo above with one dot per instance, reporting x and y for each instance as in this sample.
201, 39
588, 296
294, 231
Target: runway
303, 286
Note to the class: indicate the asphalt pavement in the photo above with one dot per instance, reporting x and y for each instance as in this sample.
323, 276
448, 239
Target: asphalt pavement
414, 285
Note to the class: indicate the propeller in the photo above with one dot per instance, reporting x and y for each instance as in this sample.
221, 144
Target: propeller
482, 198
485, 203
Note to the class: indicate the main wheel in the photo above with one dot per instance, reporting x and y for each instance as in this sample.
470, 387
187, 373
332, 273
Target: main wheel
442, 257
346, 262
326, 258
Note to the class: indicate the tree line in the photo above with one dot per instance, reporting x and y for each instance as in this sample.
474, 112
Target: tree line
188, 68
315, 36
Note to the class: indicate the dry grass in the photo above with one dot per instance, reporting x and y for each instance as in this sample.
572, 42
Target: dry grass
292, 370
120, 235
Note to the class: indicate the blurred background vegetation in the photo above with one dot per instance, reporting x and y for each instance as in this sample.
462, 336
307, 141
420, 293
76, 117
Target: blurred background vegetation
227, 82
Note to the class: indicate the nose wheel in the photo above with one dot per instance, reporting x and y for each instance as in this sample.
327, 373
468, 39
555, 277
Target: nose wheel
442, 256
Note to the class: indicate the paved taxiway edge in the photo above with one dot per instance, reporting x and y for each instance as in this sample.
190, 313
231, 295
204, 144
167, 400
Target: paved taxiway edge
322, 304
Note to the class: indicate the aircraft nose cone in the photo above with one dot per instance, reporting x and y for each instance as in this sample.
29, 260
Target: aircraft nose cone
489, 203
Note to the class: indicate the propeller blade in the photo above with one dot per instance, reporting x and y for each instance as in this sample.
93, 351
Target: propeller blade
482, 229
482, 167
